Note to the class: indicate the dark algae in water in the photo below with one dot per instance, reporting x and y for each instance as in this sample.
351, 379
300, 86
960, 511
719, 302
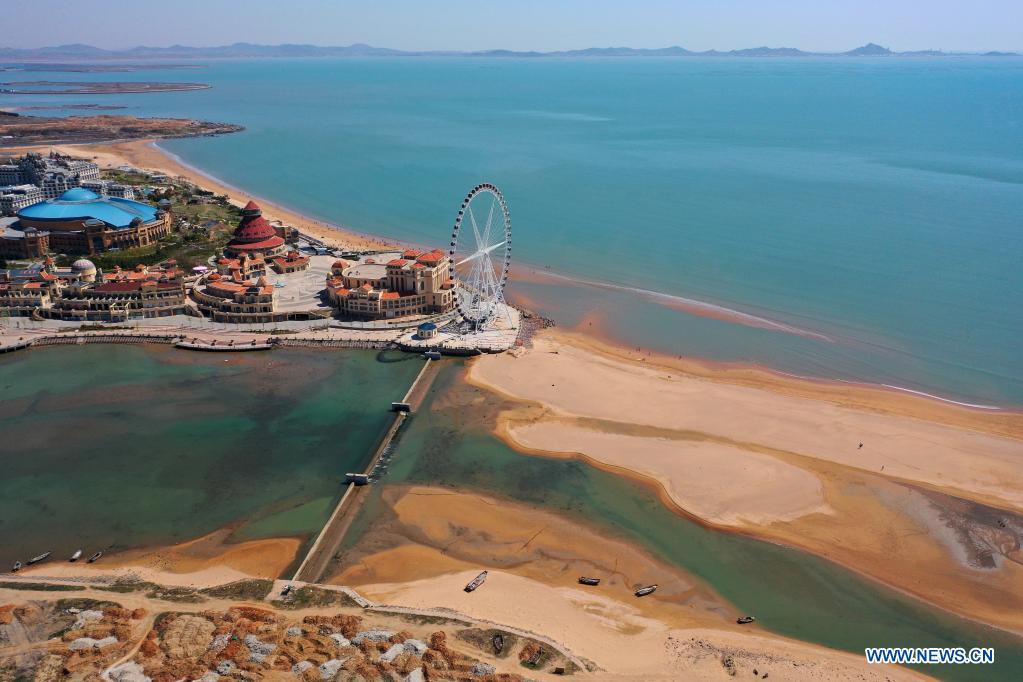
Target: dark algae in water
792, 593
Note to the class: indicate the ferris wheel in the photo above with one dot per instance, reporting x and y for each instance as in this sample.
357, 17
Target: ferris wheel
480, 257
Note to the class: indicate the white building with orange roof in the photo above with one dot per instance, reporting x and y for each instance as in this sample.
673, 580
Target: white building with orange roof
416, 283
233, 299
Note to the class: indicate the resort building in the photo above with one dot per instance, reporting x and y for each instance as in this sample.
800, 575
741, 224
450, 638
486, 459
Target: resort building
17, 244
225, 299
417, 283
13, 198
241, 268
53, 174
109, 188
290, 262
81, 292
114, 301
81, 221
255, 236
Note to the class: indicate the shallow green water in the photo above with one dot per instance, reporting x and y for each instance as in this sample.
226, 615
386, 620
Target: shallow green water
122, 446
790, 592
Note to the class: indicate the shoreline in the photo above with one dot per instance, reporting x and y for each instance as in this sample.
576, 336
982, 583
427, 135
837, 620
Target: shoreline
147, 153
864, 510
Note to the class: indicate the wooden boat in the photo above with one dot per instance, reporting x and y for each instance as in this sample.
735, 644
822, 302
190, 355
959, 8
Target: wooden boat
37, 559
583, 580
745, 619
76, 556
498, 642
95, 556
644, 591
16, 567
476, 582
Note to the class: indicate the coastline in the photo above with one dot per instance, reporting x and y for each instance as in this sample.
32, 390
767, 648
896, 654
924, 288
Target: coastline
897, 526
147, 153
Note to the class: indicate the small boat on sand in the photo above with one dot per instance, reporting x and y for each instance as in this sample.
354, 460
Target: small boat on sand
76, 556
37, 559
583, 580
476, 582
644, 591
16, 567
745, 619
498, 642
95, 556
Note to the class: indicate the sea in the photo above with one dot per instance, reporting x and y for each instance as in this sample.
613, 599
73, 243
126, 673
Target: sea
854, 219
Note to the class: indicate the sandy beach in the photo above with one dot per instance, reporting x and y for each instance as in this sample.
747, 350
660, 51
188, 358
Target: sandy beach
146, 155
437, 540
204, 562
929, 506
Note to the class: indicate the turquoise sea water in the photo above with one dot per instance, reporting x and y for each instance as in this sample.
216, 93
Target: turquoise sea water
878, 202
112, 447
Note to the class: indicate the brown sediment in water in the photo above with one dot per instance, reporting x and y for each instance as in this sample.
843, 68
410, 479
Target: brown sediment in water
610, 412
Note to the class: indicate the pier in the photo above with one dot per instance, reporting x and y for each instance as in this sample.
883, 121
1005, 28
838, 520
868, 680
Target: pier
333, 532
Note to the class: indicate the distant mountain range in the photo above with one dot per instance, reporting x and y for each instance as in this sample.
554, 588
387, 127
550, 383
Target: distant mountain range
88, 52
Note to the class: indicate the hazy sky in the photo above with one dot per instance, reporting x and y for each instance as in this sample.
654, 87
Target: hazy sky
825, 25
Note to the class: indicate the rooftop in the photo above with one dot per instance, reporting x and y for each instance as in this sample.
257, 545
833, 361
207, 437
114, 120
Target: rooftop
81, 204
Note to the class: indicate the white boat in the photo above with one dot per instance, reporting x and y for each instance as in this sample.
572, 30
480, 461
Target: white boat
16, 567
76, 556
41, 557
644, 591
95, 556
476, 582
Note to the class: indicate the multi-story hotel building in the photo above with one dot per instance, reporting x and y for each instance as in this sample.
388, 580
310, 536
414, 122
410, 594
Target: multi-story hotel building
418, 283
13, 198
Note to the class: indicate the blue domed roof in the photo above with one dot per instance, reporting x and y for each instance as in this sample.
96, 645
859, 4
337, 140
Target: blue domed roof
81, 204
78, 194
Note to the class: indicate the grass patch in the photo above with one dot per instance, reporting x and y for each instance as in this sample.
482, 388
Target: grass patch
484, 640
186, 595
309, 596
254, 590
42, 587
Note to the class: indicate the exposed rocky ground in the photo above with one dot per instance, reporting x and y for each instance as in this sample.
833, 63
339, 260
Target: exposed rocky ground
79, 639
28, 130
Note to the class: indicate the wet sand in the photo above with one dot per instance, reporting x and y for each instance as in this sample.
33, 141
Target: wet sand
204, 562
437, 540
784, 466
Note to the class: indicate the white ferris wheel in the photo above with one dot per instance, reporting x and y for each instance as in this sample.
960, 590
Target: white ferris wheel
480, 256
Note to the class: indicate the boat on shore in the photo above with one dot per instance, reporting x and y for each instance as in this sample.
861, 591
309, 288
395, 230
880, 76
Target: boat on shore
498, 642
95, 556
76, 556
476, 582
644, 591
16, 567
37, 559
583, 580
745, 619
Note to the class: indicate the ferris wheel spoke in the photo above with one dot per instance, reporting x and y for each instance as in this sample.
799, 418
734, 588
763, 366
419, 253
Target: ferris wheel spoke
490, 221
475, 228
